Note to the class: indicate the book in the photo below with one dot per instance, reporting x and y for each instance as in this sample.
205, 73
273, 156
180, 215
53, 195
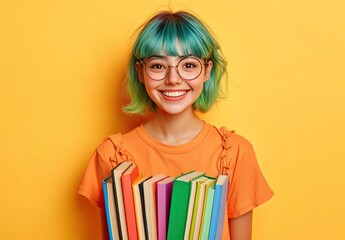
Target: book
191, 205
127, 179
143, 206
138, 207
119, 205
157, 207
150, 187
109, 203
164, 190
218, 209
199, 206
207, 211
179, 204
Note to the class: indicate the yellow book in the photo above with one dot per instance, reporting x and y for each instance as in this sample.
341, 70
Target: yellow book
198, 207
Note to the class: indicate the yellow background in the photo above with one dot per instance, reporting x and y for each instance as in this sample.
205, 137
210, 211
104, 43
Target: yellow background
62, 63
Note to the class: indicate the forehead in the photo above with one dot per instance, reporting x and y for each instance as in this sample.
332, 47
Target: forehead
166, 58
175, 49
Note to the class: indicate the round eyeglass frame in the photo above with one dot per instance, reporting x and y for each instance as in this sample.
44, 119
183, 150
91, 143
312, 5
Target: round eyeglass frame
141, 61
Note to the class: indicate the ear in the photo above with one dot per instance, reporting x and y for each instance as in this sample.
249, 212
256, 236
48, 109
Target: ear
208, 70
139, 70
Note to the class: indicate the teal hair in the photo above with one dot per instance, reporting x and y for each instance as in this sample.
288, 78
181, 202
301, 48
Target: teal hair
162, 33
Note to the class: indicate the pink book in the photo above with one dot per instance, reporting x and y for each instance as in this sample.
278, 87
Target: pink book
164, 190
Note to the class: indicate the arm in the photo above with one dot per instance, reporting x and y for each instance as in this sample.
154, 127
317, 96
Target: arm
241, 227
105, 235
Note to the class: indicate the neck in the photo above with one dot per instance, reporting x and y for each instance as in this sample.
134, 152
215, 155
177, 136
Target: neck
174, 129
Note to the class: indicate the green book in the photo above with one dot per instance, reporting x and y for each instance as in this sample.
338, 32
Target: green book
179, 204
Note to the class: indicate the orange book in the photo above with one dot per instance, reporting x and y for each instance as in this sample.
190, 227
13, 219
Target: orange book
127, 179
138, 206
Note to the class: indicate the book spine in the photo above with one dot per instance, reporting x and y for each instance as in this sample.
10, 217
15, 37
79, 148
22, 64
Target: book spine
106, 203
178, 210
215, 214
221, 212
138, 208
207, 214
163, 208
143, 208
117, 211
129, 204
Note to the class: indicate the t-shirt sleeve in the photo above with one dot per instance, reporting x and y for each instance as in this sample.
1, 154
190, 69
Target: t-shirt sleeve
248, 187
91, 184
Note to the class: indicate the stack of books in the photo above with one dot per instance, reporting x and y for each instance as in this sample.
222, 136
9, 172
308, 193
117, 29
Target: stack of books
190, 206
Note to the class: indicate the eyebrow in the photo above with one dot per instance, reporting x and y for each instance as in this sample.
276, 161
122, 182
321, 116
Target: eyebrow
165, 56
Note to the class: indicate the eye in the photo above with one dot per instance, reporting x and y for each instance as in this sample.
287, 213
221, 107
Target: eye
156, 65
189, 64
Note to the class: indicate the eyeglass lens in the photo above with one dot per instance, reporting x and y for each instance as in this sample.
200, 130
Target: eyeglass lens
188, 68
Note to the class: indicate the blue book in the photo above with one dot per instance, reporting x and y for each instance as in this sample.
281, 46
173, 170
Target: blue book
218, 209
110, 212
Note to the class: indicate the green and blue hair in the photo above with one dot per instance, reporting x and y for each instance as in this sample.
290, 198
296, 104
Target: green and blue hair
163, 33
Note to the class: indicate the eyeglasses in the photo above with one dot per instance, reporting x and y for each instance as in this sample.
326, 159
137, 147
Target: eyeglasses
188, 68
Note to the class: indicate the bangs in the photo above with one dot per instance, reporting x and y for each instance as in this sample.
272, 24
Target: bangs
173, 37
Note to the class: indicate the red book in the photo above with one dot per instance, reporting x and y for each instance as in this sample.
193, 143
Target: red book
127, 179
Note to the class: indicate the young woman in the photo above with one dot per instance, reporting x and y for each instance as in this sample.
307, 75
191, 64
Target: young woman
175, 69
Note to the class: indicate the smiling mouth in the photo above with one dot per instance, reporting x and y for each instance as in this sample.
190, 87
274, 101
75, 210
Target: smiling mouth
174, 93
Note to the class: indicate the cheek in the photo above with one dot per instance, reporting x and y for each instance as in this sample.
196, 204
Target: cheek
198, 85
149, 85
150, 88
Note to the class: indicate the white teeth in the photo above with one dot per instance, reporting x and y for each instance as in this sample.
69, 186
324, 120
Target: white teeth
174, 94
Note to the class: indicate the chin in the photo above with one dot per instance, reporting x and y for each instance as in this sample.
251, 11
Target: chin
175, 111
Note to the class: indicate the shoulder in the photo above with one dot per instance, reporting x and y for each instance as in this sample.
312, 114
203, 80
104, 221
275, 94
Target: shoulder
106, 148
231, 139
115, 143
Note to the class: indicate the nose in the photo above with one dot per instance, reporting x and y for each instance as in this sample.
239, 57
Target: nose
173, 77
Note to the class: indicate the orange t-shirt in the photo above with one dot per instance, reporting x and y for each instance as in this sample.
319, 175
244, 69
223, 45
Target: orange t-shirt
213, 151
